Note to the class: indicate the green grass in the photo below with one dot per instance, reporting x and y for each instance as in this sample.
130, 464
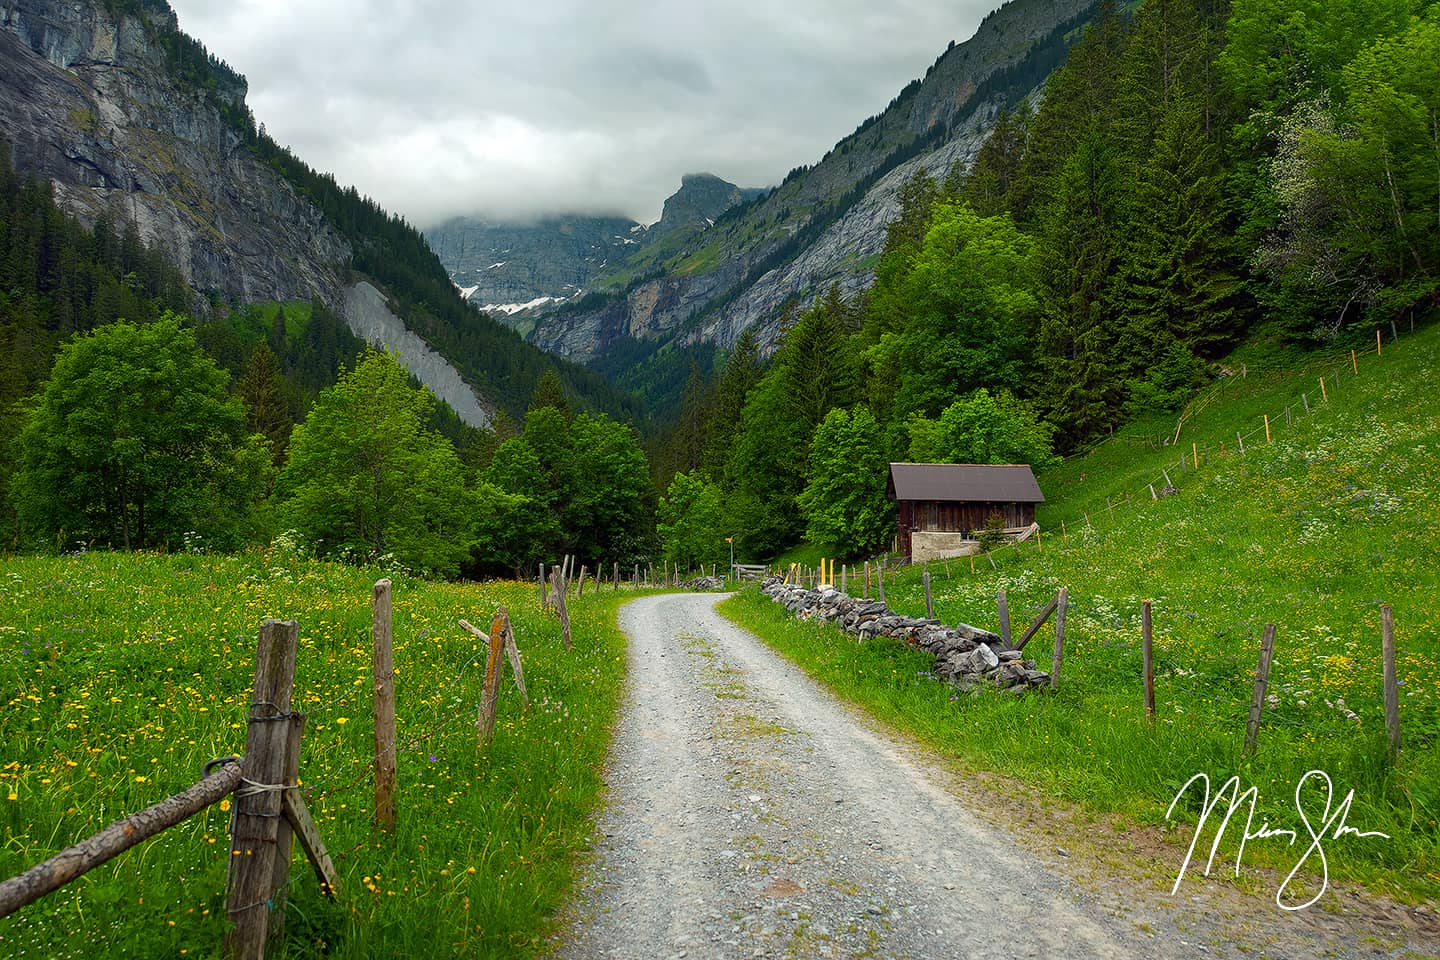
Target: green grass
120, 675
1312, 531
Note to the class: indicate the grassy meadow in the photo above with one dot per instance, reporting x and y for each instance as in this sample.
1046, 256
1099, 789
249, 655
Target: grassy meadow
1312, 531
120, 675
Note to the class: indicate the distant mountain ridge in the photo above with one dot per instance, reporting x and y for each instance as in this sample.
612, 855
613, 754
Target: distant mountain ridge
521, 270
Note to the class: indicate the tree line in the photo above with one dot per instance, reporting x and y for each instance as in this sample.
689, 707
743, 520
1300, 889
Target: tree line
1196, 174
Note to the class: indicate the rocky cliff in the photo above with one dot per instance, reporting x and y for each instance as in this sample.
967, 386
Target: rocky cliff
129, 118
701, 199
514, 268
826, 222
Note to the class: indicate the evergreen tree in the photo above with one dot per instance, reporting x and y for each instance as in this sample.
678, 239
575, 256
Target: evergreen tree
267, 410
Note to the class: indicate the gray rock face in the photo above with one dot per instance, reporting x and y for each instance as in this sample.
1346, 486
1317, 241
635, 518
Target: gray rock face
369, 316
702, 198
515, 268
86, 102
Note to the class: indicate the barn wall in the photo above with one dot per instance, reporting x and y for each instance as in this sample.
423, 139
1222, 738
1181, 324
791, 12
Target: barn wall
967, 517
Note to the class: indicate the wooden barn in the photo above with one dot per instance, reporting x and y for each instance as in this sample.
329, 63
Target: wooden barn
960, 498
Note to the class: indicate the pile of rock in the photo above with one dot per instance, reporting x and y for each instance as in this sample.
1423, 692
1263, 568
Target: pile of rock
704, 583
965, 656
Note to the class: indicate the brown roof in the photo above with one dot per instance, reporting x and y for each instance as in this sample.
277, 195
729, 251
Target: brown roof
970, 482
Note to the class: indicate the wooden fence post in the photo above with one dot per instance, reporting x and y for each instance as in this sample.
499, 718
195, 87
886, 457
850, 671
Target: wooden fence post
1059, 655
1324, 396
1003, 603
867, 580
1241, 441
1149, 656
485, 722
558, 593
844, 577
580, 589
384, 686
1354, 365
880, 581
616, 577
284, 837
1262, 680
544, 591
1392, 687
1267, 426
258, 803
929, 603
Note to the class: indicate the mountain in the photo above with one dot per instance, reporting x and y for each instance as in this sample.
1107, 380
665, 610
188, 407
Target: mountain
520, 270
703, 283
513, 268
129, 118
701, 199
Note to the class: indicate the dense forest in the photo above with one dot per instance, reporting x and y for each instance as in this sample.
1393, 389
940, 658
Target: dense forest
1198, 173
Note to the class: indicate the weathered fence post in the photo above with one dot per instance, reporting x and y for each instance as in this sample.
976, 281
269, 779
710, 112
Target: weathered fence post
1002, 603
1392, 686
580, 589
1354, 364
844, 577
1059, 655
1149, 657
384, 685
558, 593
544, 591
880, 581
616, 576
1324, 396
489, 699
929, 603
1262, 680
258, 804
284, 838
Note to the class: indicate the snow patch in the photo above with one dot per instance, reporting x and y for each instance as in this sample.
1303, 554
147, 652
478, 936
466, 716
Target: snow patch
496, 266
510, 309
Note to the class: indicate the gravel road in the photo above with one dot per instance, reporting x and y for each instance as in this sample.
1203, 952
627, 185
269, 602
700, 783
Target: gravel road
751, 815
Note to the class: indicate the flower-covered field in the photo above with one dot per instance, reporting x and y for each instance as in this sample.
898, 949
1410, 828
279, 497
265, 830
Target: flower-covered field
121, 675
1312, 532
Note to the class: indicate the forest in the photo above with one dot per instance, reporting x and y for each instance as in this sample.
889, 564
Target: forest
1196, 175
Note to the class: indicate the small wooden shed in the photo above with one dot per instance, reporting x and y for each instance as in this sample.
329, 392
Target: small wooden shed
961, 497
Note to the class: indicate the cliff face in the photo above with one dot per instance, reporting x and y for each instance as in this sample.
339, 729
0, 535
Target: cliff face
86, 102
510, 268
827, 222
95, 102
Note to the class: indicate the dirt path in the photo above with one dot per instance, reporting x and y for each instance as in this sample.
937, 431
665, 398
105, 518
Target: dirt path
751, 815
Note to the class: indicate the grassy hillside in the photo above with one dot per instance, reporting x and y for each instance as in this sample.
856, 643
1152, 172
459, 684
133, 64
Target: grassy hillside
121, 675
1311, 531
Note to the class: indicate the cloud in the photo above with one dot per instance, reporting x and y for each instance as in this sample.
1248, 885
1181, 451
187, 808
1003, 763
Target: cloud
438, 107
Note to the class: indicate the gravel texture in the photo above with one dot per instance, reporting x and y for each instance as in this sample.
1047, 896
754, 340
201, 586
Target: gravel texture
751, 816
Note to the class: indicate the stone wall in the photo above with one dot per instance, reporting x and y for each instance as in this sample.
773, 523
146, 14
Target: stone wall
965, 656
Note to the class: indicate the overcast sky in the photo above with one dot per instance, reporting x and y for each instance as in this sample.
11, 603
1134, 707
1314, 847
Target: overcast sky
509, 109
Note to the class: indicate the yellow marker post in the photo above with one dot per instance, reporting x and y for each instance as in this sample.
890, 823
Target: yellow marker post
1377, 341
1323, 395
1267, 428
